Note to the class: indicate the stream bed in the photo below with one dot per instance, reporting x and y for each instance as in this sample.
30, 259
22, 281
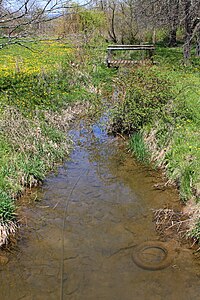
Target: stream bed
81, 228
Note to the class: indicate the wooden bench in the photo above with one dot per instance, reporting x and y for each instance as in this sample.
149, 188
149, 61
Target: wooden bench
113, 62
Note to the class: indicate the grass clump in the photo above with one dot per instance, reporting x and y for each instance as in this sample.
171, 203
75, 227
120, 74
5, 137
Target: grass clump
30, 149
139, 148
8, 225
195, 232
7, 208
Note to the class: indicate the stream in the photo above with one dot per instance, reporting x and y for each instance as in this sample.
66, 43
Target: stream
81, 228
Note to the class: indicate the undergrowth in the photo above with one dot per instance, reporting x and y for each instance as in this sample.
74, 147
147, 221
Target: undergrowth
41, 92
159, 108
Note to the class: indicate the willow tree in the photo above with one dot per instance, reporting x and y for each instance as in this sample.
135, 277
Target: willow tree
91, 23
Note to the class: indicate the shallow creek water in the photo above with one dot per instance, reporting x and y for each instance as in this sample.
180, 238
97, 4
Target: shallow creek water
80, 236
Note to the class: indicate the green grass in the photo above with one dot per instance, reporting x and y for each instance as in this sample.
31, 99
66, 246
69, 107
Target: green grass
36, 58
194, 232
7, 208
183, 155
36, 89
139, 148
51, 76
163, 103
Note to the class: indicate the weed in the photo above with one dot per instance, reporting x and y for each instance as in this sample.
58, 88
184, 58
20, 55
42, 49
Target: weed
139, 148
7, 208
195, 232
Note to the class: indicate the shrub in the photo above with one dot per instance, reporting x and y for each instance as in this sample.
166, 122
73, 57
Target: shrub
147, 93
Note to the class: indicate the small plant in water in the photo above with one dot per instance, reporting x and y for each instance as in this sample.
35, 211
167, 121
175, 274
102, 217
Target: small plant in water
138, 148
195, 232
7, 208
8, 224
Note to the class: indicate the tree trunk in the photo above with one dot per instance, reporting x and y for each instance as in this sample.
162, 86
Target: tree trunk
198, 44
122, 38
172, 38
113, 37
173, 18
187, 48
112, 25
188, 30
154, 36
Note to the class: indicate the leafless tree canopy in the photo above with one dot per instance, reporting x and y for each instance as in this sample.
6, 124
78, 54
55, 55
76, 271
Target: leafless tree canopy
127, 21
22, 18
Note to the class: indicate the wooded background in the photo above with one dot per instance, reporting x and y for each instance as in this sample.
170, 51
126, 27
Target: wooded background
116, 21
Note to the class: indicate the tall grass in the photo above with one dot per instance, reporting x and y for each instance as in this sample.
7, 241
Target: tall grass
139, 148
41, 91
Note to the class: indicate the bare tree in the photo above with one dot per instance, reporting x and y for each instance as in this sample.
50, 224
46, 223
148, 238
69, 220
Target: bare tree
130, 20
198, 42
111, 8
191, 22
24, 17
172, 14
173, 17
121, 22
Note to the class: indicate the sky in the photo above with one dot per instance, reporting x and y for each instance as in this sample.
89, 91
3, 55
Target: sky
40, 3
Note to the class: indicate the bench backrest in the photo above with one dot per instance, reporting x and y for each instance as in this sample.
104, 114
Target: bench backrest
130, 47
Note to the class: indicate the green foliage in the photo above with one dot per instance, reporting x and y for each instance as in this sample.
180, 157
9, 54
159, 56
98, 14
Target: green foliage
195, 232
34, 97
163, 102
44, 91
91, 20
147, 92
171, 59
139, 148
183, 158
49, 79
7, 208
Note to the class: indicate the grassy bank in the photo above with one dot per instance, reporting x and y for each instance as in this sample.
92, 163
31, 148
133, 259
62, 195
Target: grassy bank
42, 89
41, 92
160, 111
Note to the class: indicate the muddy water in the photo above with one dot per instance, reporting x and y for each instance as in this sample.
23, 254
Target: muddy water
82, 229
